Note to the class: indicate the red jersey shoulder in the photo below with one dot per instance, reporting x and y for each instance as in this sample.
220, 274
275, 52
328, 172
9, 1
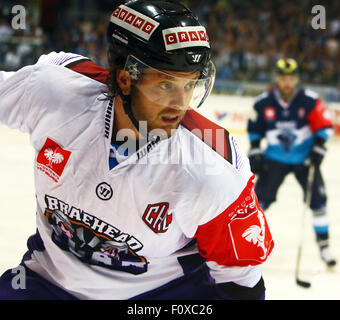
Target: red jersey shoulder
319, 117
238, 236
89, 69
209, 132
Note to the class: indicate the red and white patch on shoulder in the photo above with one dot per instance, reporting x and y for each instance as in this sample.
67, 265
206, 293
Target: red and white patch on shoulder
52, 159
238, 236
250, 237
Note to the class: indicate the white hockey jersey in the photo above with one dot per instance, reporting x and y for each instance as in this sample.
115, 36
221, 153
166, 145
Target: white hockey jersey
115, 234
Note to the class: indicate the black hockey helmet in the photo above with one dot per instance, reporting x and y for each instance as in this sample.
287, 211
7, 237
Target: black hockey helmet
164, 34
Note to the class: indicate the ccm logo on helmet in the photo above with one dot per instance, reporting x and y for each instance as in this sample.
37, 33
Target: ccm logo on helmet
183, 37
134, 22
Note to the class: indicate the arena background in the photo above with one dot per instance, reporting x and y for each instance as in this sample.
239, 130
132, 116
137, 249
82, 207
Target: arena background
247, 38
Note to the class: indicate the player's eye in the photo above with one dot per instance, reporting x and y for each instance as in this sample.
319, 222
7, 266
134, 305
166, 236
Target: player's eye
190, 85
165, 85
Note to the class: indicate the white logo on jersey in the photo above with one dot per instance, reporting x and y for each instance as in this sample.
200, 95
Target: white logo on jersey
53, 157
256, 234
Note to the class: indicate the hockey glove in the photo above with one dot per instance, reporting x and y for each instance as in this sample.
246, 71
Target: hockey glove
256, 157
318, 152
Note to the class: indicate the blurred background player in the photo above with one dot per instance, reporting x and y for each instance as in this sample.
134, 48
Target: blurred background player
295, 124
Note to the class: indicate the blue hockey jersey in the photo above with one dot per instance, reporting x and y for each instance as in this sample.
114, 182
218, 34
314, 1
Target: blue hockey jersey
290, 128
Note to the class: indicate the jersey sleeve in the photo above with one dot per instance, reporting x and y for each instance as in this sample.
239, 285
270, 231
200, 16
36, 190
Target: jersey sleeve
4, 75
26, 94
15, 97
320, 120
76, 63
17, 89
255, 125
237, 239
64, 59
239, 235
232, 234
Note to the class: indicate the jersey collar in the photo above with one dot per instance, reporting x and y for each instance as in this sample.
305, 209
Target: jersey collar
284, 104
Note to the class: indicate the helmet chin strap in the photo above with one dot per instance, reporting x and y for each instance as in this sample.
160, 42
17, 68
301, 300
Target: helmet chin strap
126, 99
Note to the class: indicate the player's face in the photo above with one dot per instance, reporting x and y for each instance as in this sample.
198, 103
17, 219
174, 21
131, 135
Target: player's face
287, 84
162, 98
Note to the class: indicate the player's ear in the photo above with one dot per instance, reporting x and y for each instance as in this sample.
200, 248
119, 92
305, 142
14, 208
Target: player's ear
123, 81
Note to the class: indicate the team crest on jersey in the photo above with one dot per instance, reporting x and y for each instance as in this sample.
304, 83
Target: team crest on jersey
157, 218
91, 240
287, 139
249, 232
249, 237
52, 159
269, 113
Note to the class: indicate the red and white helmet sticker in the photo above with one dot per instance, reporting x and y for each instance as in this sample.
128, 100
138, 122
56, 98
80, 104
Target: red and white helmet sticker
134, 21
184, 37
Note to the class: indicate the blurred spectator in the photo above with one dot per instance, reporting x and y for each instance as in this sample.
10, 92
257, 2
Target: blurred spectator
12, 59
5, 30
248, 36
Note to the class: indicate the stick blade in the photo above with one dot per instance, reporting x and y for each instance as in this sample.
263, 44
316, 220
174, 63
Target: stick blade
303, 284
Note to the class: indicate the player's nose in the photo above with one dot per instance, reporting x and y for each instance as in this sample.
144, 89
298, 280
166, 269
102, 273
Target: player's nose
178, 101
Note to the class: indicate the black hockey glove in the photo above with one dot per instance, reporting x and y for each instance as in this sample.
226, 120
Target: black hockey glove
256, 157
318, 152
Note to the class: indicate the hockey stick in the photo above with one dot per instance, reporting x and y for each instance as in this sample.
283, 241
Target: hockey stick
308, 197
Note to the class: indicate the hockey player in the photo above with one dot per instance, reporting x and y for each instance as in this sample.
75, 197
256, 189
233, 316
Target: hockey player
296, 124
158, 222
